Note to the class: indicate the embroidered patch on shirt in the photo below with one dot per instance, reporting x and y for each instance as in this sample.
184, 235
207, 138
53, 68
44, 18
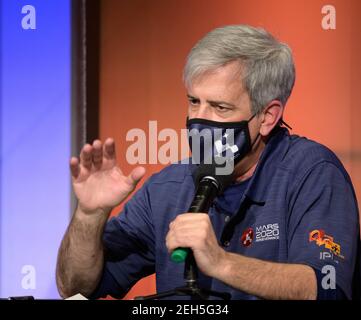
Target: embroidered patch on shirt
247, 237
322, 239
267, 232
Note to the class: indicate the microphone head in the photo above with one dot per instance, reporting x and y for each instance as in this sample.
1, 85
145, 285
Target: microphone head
205, 170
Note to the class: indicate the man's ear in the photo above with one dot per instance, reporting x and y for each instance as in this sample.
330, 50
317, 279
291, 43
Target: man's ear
272, 114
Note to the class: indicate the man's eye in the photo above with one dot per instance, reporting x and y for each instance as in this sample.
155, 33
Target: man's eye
221, 108
193, 101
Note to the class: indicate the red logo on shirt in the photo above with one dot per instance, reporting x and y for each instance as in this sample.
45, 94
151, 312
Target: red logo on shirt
247, 237
322, 239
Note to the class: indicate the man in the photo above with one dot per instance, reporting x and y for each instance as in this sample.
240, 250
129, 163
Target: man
287, 228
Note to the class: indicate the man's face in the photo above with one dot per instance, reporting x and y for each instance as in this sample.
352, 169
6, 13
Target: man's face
219, 95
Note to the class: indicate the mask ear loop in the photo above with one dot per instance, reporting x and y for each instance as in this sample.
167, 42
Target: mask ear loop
251, 117
258, 134
282, 123
254, 141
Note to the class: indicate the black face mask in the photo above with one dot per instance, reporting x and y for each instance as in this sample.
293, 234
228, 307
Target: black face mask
220, 143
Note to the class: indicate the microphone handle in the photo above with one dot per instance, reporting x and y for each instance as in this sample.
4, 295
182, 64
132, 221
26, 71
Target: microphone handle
206, 192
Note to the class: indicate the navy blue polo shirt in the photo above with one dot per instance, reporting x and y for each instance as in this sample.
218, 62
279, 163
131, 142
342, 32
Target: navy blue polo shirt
299, 206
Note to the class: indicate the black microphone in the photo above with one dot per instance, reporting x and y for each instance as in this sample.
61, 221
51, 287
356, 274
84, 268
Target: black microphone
208, 186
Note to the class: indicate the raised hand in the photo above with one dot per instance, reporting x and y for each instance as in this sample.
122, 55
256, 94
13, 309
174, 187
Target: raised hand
99, 184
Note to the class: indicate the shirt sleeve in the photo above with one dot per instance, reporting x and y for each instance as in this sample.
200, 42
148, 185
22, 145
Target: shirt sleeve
129, 247
336, 294
323, 228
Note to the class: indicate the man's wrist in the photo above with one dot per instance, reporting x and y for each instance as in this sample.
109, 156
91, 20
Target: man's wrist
223, 269
99, 214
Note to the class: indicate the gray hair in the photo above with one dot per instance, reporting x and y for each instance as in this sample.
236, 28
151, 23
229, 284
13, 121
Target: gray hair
268, 68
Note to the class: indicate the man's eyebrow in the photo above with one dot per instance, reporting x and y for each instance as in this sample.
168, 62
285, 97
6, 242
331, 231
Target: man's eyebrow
191, 97
212, 101
220, 102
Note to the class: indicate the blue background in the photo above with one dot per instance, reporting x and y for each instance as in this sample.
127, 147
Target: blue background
35, 143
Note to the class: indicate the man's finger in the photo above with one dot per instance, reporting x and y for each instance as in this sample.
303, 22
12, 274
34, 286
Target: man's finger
135, 176
170, 243
86, 156
97, 154
109, 150
74, 167
192, 216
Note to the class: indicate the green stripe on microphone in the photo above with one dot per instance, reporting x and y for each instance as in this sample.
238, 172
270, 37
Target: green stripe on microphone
179, 255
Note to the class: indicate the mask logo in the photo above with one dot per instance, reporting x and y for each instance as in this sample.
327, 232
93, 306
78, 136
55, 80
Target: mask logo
222, 144
221, 148
323, 239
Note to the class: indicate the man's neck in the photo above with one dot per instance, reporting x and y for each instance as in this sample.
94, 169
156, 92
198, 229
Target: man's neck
246, 175
247, 166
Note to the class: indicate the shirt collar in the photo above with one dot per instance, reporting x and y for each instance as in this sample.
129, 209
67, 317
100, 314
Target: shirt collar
273, 153
275, 150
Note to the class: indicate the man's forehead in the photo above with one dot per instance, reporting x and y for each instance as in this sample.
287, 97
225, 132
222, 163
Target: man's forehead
217, 85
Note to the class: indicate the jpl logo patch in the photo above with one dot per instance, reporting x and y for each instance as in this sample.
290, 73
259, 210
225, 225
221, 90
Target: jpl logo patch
322, 239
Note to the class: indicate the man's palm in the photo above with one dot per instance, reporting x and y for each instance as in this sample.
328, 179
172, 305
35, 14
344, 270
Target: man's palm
97, 180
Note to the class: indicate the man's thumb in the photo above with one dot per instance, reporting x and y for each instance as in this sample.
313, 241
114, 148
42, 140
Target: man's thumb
136, 175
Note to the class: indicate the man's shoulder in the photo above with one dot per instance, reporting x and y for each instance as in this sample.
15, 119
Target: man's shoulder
172, 185
176, 173
304, 155
303, 152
